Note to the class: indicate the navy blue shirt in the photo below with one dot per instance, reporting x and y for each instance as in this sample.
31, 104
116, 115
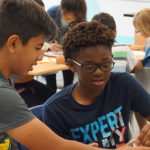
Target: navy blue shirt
146, 60
105, 120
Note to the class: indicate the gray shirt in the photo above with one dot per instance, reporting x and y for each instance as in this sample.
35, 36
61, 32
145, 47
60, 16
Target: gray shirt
13, 110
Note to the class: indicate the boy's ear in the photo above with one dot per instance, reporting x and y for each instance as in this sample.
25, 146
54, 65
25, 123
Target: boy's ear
70, 63
12, 43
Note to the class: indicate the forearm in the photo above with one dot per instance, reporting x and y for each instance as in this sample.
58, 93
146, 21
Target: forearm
73, 145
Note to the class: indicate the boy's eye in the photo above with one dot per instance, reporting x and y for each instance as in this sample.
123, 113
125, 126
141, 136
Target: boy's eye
106, 64
39, 48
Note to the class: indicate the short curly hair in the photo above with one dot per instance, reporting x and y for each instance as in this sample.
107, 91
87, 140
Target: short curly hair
86, 34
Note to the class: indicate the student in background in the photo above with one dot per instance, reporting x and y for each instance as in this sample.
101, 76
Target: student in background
23, 29
66, 15
32, 91
122, 54
97, 107
141, 23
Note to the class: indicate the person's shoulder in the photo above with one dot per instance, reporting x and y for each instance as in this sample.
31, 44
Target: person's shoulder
61, 96
53, 9
13, 109
123, 77
9, 96
6, 88
7, 93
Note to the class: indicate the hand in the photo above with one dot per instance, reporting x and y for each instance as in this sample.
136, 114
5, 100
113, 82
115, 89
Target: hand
60, 59
144, 137
55, 47
139, 66
136, 47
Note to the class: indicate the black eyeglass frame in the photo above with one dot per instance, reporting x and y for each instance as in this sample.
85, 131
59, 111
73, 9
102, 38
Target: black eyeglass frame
100, 66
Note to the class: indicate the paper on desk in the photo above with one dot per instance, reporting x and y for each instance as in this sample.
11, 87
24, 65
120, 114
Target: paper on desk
47, 60
44, 60
54, 54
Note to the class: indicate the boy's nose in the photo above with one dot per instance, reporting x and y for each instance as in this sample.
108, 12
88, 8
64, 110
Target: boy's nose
40, 56
98, 71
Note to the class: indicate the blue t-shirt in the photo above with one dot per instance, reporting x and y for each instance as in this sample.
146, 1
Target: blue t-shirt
105, 120
146, 60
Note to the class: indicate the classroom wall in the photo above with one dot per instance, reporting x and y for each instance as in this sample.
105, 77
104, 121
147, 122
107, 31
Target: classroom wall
116, 8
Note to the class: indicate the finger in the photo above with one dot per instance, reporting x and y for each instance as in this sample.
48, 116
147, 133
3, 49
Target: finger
55, 49
57, 45
144, 136
147, 143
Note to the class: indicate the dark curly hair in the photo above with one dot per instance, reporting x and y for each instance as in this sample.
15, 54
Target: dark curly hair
40, 2
86, 34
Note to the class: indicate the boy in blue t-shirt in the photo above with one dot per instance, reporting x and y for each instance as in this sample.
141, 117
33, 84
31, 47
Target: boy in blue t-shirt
97, 107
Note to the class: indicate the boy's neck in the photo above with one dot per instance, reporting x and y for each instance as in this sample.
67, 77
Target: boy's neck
83, 96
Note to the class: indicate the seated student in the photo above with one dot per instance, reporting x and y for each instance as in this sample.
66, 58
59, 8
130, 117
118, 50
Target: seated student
97, 107
32, 91
141, 23
65, 15
23, 29
123, 55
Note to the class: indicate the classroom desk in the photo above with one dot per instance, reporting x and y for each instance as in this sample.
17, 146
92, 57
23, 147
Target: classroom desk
51, 67
43, 67
47, 67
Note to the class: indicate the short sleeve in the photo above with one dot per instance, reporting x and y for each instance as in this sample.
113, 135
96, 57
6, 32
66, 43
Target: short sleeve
53, 119
141, 98
13, 110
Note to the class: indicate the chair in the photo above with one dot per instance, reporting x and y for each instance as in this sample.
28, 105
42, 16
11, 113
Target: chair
143, 77
37, 111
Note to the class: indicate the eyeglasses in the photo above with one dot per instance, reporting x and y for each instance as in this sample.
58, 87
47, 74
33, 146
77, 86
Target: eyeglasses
138, 32
90, 68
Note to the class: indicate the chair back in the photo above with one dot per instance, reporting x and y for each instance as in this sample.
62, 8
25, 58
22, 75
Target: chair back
143, 77
37, 111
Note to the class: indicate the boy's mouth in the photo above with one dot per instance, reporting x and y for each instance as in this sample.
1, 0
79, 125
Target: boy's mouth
99, 82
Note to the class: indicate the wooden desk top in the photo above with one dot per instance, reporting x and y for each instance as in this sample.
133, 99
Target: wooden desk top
47, 67
51, 67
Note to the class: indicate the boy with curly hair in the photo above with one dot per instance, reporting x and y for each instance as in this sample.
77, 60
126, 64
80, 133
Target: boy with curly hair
97, 107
